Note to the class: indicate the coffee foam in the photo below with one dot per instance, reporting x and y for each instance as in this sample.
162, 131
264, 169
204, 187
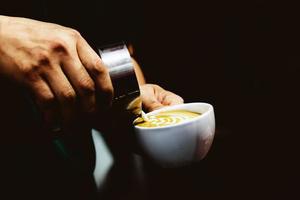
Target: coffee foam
167, 118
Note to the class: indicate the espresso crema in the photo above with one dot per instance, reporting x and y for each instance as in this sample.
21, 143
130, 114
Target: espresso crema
166, 118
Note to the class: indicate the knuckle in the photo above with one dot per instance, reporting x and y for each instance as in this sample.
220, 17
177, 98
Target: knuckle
156, 86
41, 54
74, 33
180, 99
98, 69
30, 72
43, 58
87, 85
58, 45
68, 95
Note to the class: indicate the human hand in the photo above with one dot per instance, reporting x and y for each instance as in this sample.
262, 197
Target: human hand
154, 97
56, 64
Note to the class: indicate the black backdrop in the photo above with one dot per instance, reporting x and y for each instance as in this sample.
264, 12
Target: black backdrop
240, 56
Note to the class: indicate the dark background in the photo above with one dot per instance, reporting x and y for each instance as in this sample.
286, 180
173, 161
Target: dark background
243, 57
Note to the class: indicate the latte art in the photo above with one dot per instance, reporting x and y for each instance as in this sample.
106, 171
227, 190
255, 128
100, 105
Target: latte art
167, 118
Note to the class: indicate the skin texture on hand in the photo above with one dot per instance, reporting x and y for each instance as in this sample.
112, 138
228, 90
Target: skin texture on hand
61, 70
56, 64
155, 97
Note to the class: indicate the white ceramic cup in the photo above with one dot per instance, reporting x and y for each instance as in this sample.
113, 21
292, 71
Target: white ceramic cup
179, 144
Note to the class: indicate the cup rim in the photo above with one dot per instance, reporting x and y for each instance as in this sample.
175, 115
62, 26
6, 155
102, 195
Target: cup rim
168, 108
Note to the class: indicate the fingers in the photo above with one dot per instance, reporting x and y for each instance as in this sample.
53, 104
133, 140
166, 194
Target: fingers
151, 104
81, 81
45, 100
166, 97
63, 92
149, 98
154, 97
97, 70
169, 98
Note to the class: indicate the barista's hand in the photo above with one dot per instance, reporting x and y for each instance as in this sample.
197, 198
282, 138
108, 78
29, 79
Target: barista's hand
55, 63
154, 97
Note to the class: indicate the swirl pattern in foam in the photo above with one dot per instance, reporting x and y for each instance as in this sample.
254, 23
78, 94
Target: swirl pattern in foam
167, 118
